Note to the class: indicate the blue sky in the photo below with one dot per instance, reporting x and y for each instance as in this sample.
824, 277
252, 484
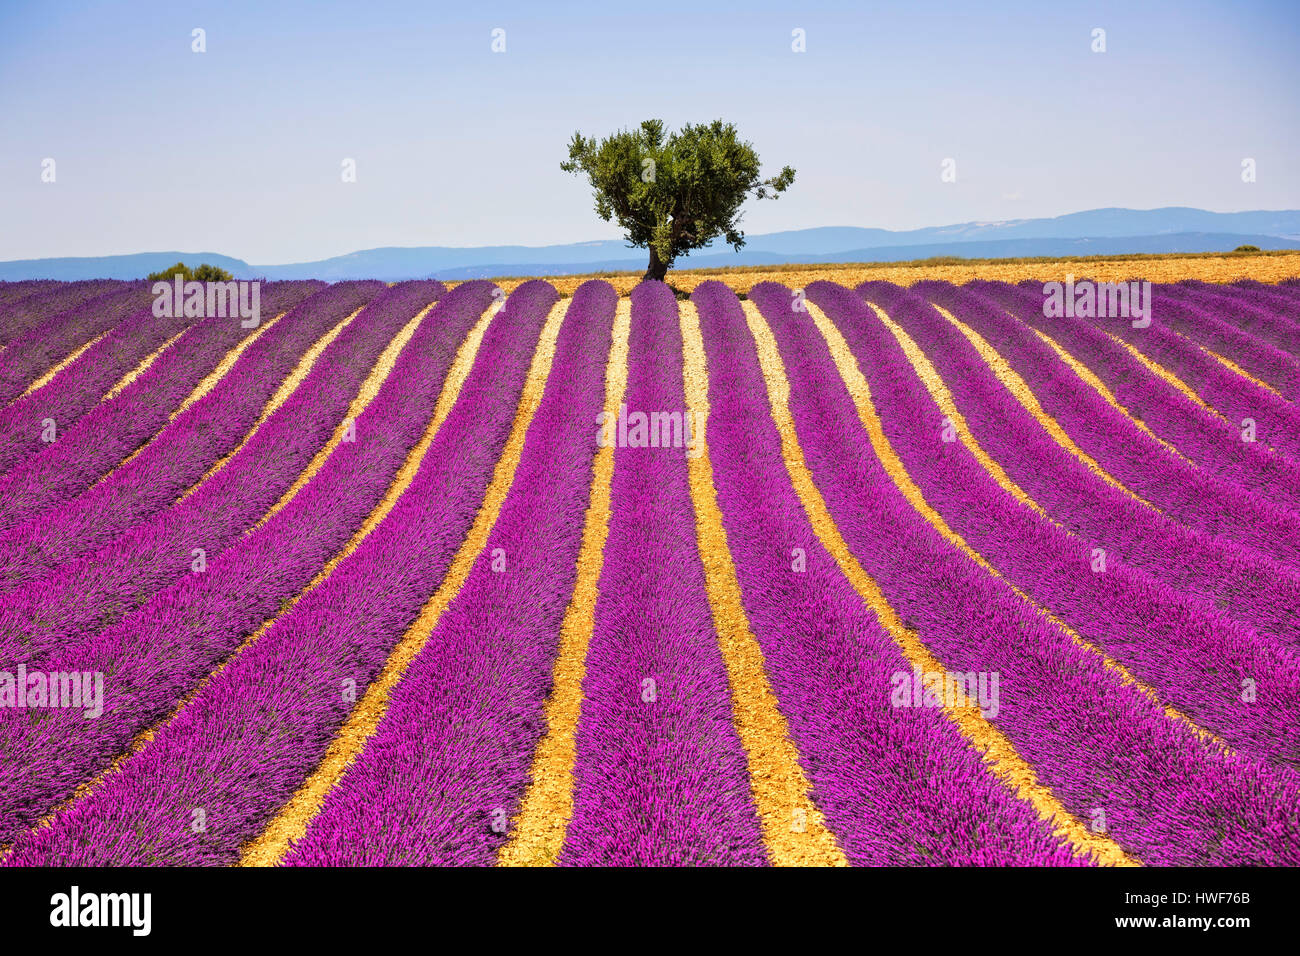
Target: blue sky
239, 150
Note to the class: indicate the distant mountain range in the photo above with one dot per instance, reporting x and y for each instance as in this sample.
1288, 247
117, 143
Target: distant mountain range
1095, 232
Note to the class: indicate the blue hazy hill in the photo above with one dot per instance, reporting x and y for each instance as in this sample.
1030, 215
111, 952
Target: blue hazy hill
1094, 232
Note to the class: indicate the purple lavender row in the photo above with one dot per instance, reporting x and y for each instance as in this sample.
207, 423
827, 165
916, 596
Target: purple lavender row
456, 744
1289, 288
1101, 746
1236, 398
1231, 329
21, 288
1194, 656
1252, 307
11, 292
1219, 447
1240, 582
897, 785
1240, 492
1266, 314
660, 776
31, 424
242, 747
43, 346
50, 524
93, 435
1272, 297
113, 429
83, 596
198, 621
41, 303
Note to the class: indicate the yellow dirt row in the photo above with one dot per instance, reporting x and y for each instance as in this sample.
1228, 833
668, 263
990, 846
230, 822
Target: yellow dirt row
1226, 268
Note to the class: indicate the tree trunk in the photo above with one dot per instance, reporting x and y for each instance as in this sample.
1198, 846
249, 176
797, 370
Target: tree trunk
657, 268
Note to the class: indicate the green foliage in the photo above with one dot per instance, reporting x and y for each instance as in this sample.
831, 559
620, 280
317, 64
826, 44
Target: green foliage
207, 273
676, 193
168, 274
1246, 249
204, 273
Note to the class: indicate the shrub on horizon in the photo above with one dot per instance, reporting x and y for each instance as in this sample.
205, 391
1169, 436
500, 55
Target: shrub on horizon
203, 273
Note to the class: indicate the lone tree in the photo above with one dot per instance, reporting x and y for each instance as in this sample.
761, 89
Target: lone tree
676, 194
203, 273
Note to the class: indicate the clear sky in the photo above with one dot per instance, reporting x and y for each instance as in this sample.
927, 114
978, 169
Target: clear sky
239, 150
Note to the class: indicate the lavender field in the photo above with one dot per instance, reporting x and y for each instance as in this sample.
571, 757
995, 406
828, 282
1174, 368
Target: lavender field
426, 574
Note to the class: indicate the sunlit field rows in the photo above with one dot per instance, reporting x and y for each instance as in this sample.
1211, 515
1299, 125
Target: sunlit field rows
912, 574
1275, 266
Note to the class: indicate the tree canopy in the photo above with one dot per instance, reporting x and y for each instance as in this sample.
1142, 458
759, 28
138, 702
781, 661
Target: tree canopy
677, 192
203, 273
